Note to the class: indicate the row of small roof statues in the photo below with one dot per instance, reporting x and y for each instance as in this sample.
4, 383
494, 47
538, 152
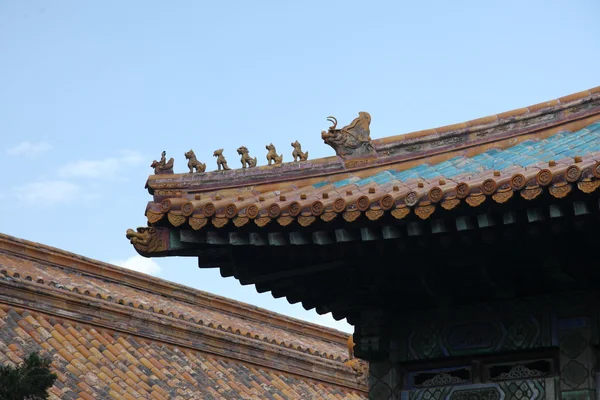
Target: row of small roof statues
352, 140
166, 167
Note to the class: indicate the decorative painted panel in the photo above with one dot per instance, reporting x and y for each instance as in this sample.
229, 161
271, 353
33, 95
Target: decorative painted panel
509, 390
470, 337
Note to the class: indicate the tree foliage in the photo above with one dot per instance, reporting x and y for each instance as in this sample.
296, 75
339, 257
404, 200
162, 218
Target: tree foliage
28, 381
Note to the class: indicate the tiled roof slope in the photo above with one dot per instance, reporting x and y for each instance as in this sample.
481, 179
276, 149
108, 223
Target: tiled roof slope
114, 333
553, 145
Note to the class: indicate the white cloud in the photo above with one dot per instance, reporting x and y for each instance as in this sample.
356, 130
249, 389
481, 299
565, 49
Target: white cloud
329, 321
139, 264
29, 149
107, 168
48, 192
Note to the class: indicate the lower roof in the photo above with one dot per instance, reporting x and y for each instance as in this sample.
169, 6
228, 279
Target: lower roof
91, 316
96, 363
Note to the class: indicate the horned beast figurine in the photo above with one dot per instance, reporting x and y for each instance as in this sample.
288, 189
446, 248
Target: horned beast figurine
272, 154
194, 163
297, 153
246, 159
221, 161
351, 140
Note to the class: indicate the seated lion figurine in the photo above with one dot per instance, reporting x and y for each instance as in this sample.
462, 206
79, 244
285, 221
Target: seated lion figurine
298, 153
272, 155
246, 159
194, 163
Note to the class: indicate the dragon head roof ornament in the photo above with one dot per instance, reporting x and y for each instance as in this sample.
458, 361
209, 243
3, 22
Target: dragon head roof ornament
351, 140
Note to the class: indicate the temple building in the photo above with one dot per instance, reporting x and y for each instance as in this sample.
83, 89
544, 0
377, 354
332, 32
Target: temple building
117, 334
464, 256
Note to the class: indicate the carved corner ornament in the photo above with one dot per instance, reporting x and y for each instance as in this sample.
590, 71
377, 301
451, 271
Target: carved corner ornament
193, 162
272, 155
298, 154
163, 166
221, 161
351, 140
246, 160
147, 240
361, 369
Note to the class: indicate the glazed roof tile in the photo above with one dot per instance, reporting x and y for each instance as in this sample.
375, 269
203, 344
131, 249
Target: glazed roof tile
124, 366
114, 332
565, 157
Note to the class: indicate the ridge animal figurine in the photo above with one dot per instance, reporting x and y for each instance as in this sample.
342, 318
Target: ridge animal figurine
221, 161
297, 153
272, 155
246, 159
351, 140
163, 166
194, 163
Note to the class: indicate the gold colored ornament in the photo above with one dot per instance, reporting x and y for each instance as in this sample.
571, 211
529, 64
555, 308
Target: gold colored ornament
425, 212
328, 216
306, 220
560, 191
219, 222
240, 221
588, 186
475, 199
262, 221
147, 239
400, 213
374, 215
285, 220
449, 204
503, 196
154, 217
351, 216
530, 194
197, 223
176, 219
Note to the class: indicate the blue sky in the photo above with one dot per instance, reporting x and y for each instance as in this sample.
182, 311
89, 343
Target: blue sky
92, 91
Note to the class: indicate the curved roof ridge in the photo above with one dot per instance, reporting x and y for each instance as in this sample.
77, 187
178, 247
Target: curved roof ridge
490, 119
37, 251
567, 112
169, 313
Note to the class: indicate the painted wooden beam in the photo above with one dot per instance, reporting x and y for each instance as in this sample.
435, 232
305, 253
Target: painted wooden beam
464, 223
190, 236
580, 208
535, 215
322, 238
216, 238
238, 239
485, 220
368, 234
438, 226
298, 238
509, 217
415, 228
344, 235
555, 211
257, 239
277, 239
390, 232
